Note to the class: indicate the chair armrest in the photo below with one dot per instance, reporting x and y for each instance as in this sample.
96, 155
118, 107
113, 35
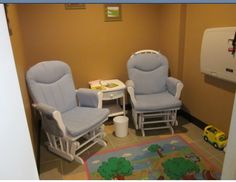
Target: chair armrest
44, 108
51, 119
130, 89
129, 83
174, 86
89, 98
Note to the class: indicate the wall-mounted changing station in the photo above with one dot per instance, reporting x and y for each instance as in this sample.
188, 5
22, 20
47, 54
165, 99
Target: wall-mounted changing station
218, 53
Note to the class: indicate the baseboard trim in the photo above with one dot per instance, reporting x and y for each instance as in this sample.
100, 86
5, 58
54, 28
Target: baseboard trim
192, 119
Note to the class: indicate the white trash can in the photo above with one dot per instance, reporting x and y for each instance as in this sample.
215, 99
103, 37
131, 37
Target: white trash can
121, 126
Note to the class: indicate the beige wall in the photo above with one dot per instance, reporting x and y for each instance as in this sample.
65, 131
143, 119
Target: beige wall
21, 64
93, 48
181, 28
169, 34
206, 98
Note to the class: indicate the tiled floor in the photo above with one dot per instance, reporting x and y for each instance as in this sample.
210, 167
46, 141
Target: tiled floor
54, 167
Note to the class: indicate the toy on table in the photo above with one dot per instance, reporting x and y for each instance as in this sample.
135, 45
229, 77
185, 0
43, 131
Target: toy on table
214, 136
102, 84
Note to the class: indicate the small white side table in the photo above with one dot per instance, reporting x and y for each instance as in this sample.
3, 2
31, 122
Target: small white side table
114, 93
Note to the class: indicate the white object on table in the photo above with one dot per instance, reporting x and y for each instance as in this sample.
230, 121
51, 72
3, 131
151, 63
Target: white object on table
121, 126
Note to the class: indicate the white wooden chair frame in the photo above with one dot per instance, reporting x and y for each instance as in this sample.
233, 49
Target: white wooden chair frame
71, 148
167, 117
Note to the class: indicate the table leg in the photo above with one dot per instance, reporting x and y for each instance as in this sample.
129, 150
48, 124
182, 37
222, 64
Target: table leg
124, 104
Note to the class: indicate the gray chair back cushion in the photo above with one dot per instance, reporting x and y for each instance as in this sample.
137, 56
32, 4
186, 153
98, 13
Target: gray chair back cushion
51, 82
149, 72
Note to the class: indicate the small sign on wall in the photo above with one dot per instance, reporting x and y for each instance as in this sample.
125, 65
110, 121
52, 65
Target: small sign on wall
112, 12
74, 6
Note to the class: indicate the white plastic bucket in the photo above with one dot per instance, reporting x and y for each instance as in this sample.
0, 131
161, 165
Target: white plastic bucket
121, 126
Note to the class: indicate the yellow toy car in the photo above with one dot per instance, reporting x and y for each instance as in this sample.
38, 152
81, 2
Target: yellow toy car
214, 136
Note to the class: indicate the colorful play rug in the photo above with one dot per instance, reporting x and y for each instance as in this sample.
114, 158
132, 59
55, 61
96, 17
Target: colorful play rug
167, 158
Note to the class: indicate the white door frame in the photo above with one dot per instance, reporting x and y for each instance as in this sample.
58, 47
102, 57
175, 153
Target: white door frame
229, 166
16, 153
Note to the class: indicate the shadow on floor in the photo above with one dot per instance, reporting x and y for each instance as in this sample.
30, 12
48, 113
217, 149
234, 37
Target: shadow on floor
177, 129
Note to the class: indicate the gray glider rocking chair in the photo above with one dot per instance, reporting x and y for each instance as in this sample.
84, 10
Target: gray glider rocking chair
154, 95
72, 119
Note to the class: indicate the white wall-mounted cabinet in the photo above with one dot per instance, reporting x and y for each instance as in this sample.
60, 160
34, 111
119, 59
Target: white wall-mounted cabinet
218, 54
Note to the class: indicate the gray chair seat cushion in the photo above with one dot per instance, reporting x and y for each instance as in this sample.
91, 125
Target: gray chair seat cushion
82, 119
155, 102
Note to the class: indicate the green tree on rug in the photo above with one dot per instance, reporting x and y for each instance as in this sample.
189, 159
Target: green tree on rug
115, 168
180, 168
156, 148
